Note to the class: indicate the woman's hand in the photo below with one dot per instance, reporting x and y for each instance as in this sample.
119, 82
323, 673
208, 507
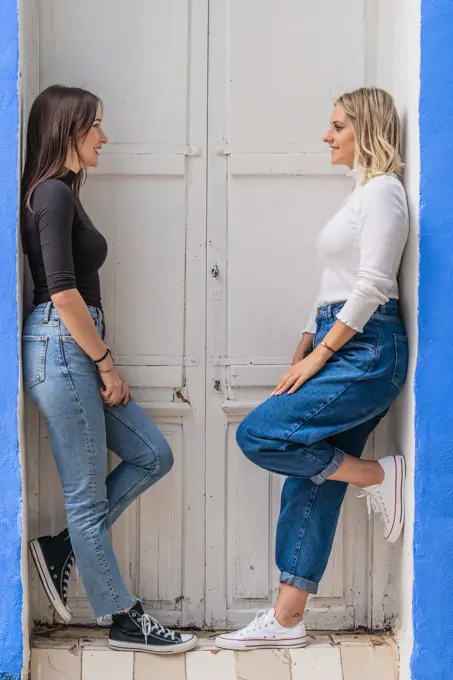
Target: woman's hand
113, 391
126, 393
300, 372
116, 390
304, 348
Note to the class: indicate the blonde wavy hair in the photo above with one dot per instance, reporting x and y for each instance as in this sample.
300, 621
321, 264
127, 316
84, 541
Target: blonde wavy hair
377, 127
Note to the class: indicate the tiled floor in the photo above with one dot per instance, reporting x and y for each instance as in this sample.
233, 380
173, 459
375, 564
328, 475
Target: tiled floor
82, 654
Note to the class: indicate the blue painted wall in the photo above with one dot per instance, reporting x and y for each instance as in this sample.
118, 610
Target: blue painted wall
433, 538
11, 593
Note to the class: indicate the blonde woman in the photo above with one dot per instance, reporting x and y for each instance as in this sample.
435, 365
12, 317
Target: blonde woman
347, 370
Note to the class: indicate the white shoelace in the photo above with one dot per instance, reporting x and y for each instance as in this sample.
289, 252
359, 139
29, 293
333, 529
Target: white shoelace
375, 503
66, 575
150, 625
256, 623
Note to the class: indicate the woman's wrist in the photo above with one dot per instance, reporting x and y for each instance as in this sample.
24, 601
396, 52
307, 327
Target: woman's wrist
106, 363
324, 353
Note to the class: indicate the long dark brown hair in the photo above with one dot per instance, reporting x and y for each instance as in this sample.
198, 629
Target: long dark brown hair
59, 118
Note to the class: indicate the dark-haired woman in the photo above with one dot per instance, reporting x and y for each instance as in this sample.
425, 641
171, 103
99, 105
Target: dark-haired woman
70, 374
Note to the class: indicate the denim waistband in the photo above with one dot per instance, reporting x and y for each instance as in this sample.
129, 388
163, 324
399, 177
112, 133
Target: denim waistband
47, 313
391, 308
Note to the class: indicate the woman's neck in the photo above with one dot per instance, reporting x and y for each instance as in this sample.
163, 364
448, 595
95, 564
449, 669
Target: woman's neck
72, 162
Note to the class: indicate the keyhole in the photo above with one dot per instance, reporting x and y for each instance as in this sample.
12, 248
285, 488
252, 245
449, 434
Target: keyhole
215, 271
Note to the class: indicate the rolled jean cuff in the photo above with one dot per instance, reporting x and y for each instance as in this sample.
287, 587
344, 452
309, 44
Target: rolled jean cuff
323, 476
299, 582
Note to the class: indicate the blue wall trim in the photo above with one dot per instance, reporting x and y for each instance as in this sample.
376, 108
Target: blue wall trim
11, 592
433, 531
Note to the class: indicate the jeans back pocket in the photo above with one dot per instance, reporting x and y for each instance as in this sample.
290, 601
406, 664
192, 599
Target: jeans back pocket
401, 360
34, 350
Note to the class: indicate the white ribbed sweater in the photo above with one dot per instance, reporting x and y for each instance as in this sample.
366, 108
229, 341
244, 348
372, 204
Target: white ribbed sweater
361, 249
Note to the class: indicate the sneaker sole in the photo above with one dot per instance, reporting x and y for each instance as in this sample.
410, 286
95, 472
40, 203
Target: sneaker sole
46, 580
400, 481
153, 649
238, 645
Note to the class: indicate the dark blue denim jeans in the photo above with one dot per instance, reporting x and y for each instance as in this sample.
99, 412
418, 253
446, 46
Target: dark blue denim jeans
304, 436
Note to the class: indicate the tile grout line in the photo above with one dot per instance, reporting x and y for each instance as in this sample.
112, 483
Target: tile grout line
290, 659
341, 662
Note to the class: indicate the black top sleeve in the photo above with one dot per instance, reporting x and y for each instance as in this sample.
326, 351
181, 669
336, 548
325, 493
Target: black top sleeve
53, 205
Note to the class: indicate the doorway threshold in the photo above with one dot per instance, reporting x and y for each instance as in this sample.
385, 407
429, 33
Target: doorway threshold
75, 653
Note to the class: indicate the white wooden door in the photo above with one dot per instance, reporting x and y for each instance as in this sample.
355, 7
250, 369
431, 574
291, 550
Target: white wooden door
275, 69
148, 62
211, 205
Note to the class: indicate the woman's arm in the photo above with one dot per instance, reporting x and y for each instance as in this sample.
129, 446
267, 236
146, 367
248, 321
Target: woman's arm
53, 204
77, 319
306, 368
383, 236
304, 348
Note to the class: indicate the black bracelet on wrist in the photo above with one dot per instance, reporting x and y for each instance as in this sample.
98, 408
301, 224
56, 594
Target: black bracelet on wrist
107, 353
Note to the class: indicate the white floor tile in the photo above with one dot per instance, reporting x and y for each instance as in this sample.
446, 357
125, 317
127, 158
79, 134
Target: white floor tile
107, 665
264, 664
153, 667
56, 664
211, 666
372, 663
317, 663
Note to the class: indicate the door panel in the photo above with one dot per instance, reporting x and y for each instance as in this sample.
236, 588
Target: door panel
148, 63
273, 76
211, 208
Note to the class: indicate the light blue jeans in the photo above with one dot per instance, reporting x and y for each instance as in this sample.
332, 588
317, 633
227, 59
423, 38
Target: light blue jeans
305, 436
64, 384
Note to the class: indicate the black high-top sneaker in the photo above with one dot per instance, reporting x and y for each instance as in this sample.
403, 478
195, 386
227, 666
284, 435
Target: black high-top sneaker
54, 559
136, 631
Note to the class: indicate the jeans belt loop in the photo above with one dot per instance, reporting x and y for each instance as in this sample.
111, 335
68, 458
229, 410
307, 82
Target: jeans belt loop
47, 311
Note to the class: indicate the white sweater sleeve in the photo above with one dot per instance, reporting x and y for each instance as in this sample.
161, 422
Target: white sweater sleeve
310, 326
382, 239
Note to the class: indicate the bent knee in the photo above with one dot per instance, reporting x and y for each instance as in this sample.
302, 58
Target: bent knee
250, 443
166, 459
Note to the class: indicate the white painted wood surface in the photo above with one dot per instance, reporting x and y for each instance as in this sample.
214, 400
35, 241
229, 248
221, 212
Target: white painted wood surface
238, 184
273, 75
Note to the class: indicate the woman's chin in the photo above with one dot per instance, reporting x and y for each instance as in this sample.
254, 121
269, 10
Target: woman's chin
91, 162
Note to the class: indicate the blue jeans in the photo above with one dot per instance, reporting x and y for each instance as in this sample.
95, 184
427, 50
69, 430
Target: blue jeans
305, 436
64, 384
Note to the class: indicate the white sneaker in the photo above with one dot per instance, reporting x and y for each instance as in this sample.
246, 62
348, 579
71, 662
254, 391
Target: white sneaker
387, 499
264, 632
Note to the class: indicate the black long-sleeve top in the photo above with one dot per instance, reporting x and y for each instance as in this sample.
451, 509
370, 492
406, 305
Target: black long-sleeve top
65, 250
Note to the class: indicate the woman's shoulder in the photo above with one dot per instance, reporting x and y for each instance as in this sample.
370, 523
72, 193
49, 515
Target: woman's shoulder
384, 188
385, 183
52, 191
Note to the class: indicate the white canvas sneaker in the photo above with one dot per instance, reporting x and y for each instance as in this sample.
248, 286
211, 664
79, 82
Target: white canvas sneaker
387, 499
264, 632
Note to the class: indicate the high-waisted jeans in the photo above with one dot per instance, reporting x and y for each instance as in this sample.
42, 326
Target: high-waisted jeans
64, 384
304, 436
